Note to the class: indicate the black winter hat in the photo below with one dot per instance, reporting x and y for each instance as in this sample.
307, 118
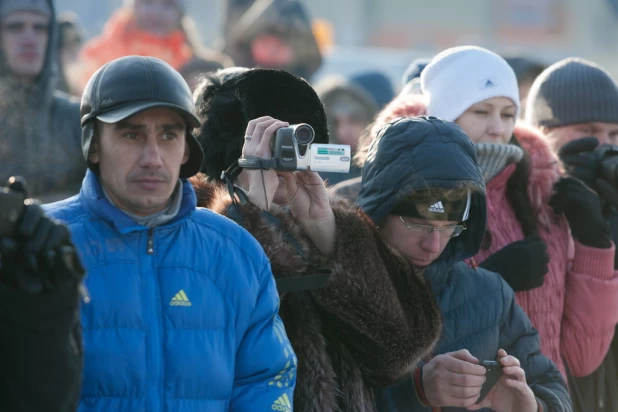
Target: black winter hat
228, 106
129, 85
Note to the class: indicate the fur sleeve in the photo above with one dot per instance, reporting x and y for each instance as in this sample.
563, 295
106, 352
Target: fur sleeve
379, 306
284, 260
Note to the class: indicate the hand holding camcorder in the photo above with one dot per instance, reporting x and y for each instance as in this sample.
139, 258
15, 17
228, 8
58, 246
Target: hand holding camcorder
36, 253
292, 150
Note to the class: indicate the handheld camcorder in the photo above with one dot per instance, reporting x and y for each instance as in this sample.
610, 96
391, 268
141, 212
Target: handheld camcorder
608, 156
293, 150
11, 208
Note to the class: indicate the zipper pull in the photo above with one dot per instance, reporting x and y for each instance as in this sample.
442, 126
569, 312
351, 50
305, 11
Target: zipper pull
150, 249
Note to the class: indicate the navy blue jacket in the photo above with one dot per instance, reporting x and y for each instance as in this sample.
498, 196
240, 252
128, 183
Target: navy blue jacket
478, 307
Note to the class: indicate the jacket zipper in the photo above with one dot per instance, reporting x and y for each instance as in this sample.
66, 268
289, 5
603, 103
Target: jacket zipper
150, 247
156, 360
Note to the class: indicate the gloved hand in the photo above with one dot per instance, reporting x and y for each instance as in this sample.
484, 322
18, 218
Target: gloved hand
581, 161
582, 209
523, 264
40, 254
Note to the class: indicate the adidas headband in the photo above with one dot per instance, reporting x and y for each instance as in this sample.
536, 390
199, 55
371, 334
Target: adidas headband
434, 208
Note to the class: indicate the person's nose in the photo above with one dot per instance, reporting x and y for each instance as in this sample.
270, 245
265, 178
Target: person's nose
496, 127
151, 155
431, 242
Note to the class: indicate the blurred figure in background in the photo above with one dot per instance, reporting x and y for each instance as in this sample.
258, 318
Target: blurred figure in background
70, 41
206, 61
39, 126
526, 69
575, 102
351, 105
157, 28
411, 80
275, 34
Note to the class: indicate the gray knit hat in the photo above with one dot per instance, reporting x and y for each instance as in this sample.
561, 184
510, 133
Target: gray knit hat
572, 91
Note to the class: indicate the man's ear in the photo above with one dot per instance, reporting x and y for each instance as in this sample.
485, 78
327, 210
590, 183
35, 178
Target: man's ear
93, 152
187, 154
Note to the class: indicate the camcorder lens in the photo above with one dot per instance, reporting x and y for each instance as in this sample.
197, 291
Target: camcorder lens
304, 134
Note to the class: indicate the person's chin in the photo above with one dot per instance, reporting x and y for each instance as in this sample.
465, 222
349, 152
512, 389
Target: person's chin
420, 262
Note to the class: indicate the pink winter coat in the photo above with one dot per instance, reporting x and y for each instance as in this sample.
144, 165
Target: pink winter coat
576, 309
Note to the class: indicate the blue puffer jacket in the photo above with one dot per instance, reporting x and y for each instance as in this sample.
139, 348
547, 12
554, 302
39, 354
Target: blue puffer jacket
183, 317
478, 308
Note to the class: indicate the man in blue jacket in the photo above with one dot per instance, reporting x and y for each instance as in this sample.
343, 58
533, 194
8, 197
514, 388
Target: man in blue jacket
183, 312
422, 186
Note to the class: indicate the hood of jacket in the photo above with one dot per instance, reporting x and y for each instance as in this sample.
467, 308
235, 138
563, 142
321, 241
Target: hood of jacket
401, 161
40, 92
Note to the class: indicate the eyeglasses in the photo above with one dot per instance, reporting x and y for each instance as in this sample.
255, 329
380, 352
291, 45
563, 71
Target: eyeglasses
446, 232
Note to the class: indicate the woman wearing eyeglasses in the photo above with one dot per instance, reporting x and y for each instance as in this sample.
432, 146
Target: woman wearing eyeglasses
562, 271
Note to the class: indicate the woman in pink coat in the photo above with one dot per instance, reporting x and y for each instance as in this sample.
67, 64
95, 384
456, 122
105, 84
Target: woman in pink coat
545, 234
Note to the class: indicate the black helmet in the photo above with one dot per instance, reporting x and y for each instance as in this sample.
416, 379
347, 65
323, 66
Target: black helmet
129, 85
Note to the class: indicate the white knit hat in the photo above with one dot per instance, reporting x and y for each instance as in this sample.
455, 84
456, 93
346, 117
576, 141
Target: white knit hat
460, 77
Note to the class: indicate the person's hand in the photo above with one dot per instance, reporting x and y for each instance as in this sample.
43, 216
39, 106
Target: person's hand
523, 264
579, 160
261, 184
453, 379
310, 206
582, 209
511, 393
40, 254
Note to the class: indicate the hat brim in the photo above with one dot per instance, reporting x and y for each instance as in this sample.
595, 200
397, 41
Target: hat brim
123, 112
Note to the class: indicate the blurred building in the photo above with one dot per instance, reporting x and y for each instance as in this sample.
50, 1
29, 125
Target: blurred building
548, 29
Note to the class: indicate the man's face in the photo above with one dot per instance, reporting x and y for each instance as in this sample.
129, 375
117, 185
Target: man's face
159, 17
140, 158
607, 133
24, 42
349, 130
413, 239
271, 51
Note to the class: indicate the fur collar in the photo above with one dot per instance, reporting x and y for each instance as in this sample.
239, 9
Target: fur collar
545, 167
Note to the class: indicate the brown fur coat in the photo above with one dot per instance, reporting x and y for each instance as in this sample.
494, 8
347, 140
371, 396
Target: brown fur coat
371, 323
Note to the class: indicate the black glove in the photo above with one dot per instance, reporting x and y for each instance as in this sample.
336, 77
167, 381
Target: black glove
581, 161
40, 254
523, 264
582, 209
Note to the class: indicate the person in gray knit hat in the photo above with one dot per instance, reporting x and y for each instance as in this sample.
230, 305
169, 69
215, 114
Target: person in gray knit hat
575, 103
574, 98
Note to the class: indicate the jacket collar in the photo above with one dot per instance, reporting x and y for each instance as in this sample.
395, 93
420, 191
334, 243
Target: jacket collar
96, 203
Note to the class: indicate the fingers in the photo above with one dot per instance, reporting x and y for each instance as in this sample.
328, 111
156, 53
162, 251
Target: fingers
259, 136
251, 125
18, 184
463, 355
465, 380
30, 220
585, 144
462, 362
607, 192
267, 137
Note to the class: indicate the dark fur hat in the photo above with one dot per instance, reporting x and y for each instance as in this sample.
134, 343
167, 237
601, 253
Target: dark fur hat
228, 106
